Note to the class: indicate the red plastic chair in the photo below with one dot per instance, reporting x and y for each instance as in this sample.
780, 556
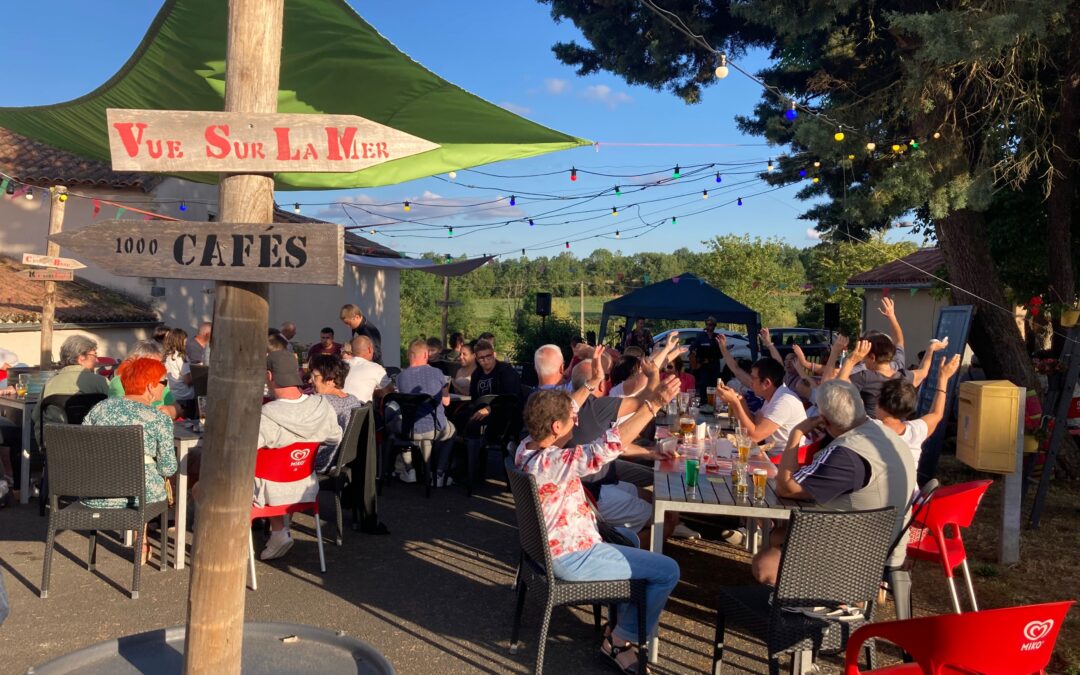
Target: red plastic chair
1011, 641
806, 453
285, 465
949, 508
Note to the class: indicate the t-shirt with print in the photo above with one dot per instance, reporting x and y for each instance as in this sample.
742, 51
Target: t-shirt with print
786, 410
503, 380
424, 380
835, 471
870, 382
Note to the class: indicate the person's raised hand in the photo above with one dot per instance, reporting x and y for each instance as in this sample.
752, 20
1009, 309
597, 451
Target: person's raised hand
841, 344
721, 341
947, 367
597, 364
672, 340
668, 389
936, 345
861, 351
764, 335
797, 350
651, 372
729, 395
887, 309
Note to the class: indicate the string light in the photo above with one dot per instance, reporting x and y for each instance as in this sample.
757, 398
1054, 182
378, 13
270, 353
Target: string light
513, 200
937, 135
617, 235
816, 179
618, 192
296, 207
522, 253
838, 136
674, 220
676, 173
851, 157
29, 194
739, 202
448, 258
871, 146
802, 173
914, 144
531, 223
614, 211
704, 194
450, 231
770, 166
721, 67
791, 113
817, 165
896, 147
718, 178
63, 197
183, 206
452, 175
407, 206
573, 174
567, 244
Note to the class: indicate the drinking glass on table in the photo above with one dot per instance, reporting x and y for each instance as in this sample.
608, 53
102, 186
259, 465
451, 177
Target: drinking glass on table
684, 402
686, 425
692, 467
21, 384
760, 476
738, 480
201, 403
742, 444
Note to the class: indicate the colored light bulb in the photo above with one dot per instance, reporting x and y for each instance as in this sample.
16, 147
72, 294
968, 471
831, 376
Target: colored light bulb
614, 211
573, 174
718, 178
183, 206
896, 147
674, 220
63, 197
838, 136
531, 223
739, 201
802, 173
407, 206
816, 179
618, 192
513, 200
791, 113
450, 231
676, 173
567, 244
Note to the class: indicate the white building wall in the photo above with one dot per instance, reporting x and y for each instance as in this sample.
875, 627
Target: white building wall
917, 315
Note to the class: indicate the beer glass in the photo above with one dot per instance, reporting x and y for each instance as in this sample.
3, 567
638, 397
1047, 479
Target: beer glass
743, 442
686, 426
760, 476
738, 479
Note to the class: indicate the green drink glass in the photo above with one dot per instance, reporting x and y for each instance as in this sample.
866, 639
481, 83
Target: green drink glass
692, 468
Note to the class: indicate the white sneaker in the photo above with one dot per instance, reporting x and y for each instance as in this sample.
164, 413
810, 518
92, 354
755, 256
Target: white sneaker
444, 480
407, 476
276, 547
734, 537
683, 532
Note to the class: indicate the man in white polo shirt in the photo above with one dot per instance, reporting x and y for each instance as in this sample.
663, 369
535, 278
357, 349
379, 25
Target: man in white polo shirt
782, 410
365, 376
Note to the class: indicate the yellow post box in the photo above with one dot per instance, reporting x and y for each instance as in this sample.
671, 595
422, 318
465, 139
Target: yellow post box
987, 425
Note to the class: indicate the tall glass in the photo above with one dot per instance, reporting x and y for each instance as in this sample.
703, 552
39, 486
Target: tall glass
760, 476
743, 446
684, 401
710, 396
692, 468
21, 385
738, 479
200, 401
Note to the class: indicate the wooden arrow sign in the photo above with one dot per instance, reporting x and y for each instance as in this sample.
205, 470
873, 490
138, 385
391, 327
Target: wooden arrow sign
309, 253
51, 261
48, 275
174, 141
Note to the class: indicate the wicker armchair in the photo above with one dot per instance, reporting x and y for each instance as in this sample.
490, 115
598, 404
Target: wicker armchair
59, 409
830, 560
338, 476
535, 573
88, 462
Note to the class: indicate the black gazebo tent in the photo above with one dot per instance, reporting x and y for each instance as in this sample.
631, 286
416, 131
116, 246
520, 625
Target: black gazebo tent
682, 297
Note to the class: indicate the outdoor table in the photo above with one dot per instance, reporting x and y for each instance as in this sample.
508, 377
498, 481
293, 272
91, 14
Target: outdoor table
25, 406
185, 439
459, 397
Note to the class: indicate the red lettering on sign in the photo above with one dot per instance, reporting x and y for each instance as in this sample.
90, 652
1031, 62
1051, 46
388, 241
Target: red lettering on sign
310, 152
174, 149
367, 150
382, 150
130, 140
217, 136
341, 143
283, 149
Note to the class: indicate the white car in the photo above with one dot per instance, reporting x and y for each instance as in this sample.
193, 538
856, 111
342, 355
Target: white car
738, 344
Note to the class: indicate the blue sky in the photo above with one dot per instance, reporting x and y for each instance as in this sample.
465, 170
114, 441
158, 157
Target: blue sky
500, 51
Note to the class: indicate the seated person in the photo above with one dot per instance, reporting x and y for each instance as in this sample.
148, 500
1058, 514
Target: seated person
491, 378
366, 379
430, 423
149, 349
577, 551
466, 365
781, 411
144, 382
686, 380
866, 466
78, 356
327, 378
325, 346
899, 400
876, 354
292, 417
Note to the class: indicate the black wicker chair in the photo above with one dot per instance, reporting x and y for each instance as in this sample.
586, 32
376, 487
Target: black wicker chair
399, 438
830, 560
498, 429
59, 409
99, 462
200, 379
338, 476
535, 573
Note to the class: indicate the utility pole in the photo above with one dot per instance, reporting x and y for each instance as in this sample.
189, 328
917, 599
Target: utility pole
57, 202
445, 307
581, 308
215, 624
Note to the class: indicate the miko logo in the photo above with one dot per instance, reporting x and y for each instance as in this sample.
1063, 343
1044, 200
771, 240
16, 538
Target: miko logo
1034, 632
300, 454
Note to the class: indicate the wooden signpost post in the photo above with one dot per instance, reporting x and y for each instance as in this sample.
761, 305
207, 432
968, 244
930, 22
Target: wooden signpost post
281, 252
51, 260
167, 140
48, 275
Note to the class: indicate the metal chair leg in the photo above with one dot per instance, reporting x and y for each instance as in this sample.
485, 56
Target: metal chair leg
953, 595
251, 561
970, 587
718, 644
163, 538
136, 559
340, 520
516, 628
318, 538
541, 640
900, 585
91, 552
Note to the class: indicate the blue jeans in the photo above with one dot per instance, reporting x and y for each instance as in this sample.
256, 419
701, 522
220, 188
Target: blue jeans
605, 562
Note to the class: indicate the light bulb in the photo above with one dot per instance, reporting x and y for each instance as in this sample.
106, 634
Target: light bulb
371, 231
871, 146
817, 165
914, 144
851, 157
791, 113
448, 258
407, 206
567, 244
11, 188
453, 175
618, 192
62, 197
739, 201
614, 211
721, 67
704, 194
523, 252
296, 207
802, 173
896, 147
937, 134
513, 200
617, 235
183, 206
531, 223
838, 136
29, 194
816, 179
674, 220
450, 231
770, 166
718, 178
573, 174
676, 173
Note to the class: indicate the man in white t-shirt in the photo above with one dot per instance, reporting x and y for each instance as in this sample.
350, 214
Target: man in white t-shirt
899, 399
365, 378
782, 409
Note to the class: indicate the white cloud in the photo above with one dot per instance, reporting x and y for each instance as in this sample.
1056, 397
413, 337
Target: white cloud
601, 93
555, 86
812, 234
515, 108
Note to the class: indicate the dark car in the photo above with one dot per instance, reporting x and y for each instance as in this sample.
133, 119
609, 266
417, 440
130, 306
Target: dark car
815, 343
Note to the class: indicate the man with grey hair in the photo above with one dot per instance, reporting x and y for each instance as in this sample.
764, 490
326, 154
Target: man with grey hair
866, 466
198, 345
550, 367
366, 378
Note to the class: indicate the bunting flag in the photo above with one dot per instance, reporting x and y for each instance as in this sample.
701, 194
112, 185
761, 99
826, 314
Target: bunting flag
885, 292
97, 207
674, 280
148, 217
19, 191
120, 212
913, 291
3, 185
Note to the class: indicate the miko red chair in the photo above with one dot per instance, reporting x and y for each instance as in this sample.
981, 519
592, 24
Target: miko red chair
285, 465
1011, 641
935, 534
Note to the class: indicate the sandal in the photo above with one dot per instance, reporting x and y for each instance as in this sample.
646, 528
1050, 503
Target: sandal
611, 651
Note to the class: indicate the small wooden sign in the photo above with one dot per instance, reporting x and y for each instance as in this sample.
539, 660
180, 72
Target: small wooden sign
48, 275
175, 141
288, 253
51, 261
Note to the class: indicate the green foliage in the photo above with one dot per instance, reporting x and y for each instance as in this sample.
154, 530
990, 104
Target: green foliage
760, 273
532, 332
831, 264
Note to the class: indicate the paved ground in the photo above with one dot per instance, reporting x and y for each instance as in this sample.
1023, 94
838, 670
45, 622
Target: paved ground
434, 596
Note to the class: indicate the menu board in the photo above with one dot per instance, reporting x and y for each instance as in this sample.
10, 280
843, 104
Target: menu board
954, 323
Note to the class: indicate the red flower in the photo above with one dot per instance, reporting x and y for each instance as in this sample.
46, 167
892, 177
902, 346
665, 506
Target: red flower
547, 490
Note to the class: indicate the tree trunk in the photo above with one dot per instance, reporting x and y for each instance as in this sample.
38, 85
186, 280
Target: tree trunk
1064, 156
995, 337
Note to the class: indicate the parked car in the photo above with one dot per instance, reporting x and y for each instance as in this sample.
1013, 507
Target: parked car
738, 344
814, 342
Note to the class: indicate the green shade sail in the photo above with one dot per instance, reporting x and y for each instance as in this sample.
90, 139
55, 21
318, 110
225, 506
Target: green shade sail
332, 62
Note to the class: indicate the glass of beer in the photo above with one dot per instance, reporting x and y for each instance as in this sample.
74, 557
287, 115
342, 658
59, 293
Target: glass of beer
686, 426
710, 396
738, 480
760, 476
743, 446
21, 385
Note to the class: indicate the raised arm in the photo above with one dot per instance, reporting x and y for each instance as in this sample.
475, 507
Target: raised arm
773, 352
828, 371
946, 369
920, 373
729, 360
657, 398
803, 363
581, 394
888, 310
862, 349
660, 357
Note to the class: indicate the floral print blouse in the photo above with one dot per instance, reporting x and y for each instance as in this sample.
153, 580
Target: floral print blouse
159, 458
570, 522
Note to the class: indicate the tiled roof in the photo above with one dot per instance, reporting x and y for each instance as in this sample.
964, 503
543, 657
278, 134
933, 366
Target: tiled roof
354, 243
77, 301
911, 271
33, 162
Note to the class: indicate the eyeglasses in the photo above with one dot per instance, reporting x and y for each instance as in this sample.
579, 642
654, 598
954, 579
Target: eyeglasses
485, 357
164, 382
